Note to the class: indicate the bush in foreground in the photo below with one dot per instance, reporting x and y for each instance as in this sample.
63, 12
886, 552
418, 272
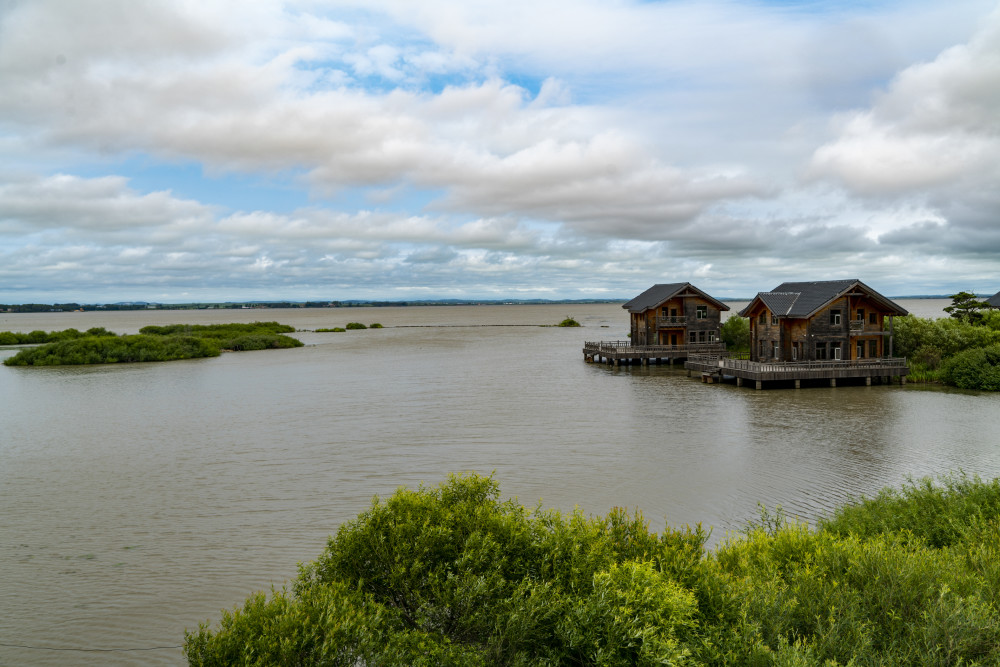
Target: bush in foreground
452, 575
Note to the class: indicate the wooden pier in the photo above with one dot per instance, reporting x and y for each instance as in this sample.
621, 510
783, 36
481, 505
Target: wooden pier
715, 368
619, 352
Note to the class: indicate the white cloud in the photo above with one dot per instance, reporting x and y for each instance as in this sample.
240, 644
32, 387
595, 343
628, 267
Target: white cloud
937, 125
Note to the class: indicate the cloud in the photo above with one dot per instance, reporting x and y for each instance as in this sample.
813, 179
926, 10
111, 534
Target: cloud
937, 126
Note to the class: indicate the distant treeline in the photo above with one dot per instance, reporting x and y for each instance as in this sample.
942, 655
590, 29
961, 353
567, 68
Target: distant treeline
71, 307
153, 343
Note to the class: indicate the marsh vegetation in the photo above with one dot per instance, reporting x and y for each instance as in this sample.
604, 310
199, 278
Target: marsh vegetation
152, 343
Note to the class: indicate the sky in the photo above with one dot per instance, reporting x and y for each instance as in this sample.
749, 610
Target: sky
213, 150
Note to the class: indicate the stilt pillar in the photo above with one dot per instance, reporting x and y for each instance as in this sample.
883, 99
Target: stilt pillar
760, 385
833, 382
739, 382
798, 384
868, 381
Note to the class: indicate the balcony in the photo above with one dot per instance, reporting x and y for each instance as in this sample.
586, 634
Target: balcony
665, 321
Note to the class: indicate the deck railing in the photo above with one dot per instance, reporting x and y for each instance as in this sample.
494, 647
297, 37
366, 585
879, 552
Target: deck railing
671, 320
793, 366
612, 346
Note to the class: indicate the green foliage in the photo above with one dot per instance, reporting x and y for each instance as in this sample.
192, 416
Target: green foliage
967, 307
153, 343
115, 349
334, 329
943, 336
950, 350
375, 325
735, 333
569, 322
40, 337
453, 575
978, 368
356, 325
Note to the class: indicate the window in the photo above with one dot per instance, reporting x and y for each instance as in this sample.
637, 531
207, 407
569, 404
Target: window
872, 318
835, 318
873, 349
835, 351
860, 350
795, 351
701, 312
861, 314
760, 349
664, 312
701, 336
711, 336
777, 350
763, 317
821, 351
692, 337
774, 318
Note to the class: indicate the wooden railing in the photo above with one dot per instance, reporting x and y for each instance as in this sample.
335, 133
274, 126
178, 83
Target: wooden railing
671, 320
792, 366
857, 326
618, 345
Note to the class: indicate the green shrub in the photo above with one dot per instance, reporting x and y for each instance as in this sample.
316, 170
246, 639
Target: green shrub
375, 325
115, 349
452, 575
569, 322
978, 368
735, 333
356, 325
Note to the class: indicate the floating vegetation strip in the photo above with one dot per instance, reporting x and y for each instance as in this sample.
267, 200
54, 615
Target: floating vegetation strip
153, 343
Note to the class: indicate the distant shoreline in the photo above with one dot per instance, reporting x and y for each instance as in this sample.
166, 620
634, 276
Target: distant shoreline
266, 305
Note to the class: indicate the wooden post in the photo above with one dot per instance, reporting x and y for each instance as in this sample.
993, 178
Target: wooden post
739, 382
798, 384
833, 382
760, 384
868, 381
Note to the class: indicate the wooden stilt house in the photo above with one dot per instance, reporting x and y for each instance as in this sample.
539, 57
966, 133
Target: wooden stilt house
675, 314
818, 321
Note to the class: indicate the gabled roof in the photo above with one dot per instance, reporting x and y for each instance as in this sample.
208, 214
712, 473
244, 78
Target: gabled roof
805, 299
659, 293
994, 300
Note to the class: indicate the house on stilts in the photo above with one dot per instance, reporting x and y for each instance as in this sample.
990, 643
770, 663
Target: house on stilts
818, 332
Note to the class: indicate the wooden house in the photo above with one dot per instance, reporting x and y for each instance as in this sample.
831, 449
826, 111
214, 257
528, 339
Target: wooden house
829, 320
675, 314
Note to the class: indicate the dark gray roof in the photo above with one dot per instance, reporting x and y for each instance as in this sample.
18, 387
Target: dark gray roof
659, 293
803, 299
994, 300
780, 303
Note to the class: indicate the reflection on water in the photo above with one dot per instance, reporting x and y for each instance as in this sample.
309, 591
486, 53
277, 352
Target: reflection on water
140, 500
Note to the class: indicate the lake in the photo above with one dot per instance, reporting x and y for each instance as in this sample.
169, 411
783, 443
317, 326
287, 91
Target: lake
139, 500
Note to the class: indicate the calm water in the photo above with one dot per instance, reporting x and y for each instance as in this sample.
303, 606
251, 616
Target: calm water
140, 500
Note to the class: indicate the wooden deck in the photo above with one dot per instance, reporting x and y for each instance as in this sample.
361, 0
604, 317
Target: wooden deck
716, 368
623, 351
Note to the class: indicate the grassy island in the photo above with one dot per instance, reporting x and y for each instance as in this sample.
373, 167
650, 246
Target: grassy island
453, 575
153, 343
